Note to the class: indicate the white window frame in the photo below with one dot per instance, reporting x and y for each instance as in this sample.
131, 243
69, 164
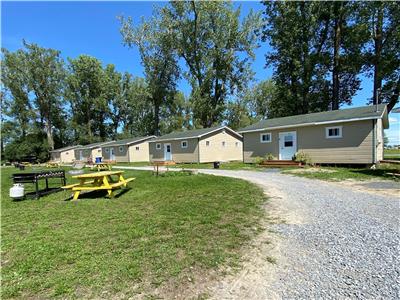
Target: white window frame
137, 148
121, 149
236, 144
223, 144
107, 150
334, 136
158, 146
182, 144
207, 143
267, 133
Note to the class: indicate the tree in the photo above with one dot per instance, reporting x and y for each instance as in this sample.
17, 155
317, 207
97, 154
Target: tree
15, 91
159, 59
298, 33
85, 89
177, 116
45, 74
261, 99
217, 49
381, 20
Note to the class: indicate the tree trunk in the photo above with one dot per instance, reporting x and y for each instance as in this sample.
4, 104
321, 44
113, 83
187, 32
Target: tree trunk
394, 99
336, 57
377, 56
49, 133
156, 130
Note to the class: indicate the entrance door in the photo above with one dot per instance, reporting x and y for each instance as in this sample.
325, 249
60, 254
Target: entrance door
112, 154
287, 145
167, 152
80, 154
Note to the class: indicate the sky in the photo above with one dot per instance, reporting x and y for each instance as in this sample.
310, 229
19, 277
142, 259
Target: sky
92, 28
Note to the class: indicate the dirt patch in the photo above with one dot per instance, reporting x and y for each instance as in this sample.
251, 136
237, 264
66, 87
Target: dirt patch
311, 170
375, 187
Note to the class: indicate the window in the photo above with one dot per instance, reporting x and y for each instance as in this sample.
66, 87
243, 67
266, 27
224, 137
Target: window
66, 153
137, 148
265, 137
158, 146
207, 143
99, 151
184, 144
121, 149
223, 144
288, 141
107, 150
333, 132
237, 144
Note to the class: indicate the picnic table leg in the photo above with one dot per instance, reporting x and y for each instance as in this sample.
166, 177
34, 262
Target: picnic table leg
37, 188
121, 178
110, 193
76, 195
47, 184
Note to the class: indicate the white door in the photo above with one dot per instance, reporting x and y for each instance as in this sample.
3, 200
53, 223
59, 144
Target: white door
167, 152
80, 154
112, 154
287, 145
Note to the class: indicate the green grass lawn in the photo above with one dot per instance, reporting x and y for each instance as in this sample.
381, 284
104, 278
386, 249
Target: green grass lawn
338, 174
163, 229
393, 154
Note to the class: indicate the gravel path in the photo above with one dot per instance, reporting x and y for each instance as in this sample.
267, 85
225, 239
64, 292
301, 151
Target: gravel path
335, 243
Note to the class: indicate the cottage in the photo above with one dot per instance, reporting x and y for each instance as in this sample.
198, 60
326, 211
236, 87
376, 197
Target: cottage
128, 150
348, 136
198, 146
63, 155
90, 152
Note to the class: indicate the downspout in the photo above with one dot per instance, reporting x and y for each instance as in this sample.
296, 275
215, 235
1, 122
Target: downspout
198, 150
243, 147
129, 152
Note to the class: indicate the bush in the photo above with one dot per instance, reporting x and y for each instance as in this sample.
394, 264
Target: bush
302, 157
258, 160
30, 145
270, 156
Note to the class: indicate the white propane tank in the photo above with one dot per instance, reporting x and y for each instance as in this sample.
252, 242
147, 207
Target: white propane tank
17, 191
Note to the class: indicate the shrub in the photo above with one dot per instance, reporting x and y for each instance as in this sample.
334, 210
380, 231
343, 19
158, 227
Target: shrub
302, 157
258, 160
269, 156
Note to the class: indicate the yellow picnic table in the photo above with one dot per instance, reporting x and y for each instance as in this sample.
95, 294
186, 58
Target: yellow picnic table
104, 180
102, 166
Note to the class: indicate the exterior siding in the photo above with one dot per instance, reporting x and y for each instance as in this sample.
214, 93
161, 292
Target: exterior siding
55, 156
139, 155
96, 152
86, 153
120, 152
355, 146
233, 149
68, 156
179, 154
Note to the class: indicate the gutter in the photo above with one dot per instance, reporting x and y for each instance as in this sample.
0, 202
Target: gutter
373, 141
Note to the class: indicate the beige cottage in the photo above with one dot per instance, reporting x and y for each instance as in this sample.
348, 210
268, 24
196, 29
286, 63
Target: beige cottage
63, 155
128, 150
198, 146
348, 136
90, 152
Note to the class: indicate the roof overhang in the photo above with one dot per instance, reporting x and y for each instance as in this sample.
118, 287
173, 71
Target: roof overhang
316, 123
130, 143
198, 136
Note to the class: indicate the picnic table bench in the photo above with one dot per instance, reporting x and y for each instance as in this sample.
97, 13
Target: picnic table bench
103, 166
161, 163
98, 181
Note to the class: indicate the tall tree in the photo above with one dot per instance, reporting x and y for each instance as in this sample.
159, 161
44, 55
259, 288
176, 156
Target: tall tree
298, 33
15, 91
155, 43
382, 21
217, 49
46, 74
85, 89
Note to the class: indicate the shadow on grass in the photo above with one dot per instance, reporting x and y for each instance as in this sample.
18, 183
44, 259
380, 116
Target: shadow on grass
385, 173
100, 194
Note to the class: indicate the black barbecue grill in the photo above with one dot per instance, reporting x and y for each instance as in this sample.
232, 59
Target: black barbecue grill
34, 177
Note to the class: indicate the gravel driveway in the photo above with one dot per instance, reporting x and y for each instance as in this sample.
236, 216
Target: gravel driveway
334, 243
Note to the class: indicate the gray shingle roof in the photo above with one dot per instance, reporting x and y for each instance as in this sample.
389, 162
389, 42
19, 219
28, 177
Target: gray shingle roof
365, 112
188, 134
95, 145
65, 148
131, 140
